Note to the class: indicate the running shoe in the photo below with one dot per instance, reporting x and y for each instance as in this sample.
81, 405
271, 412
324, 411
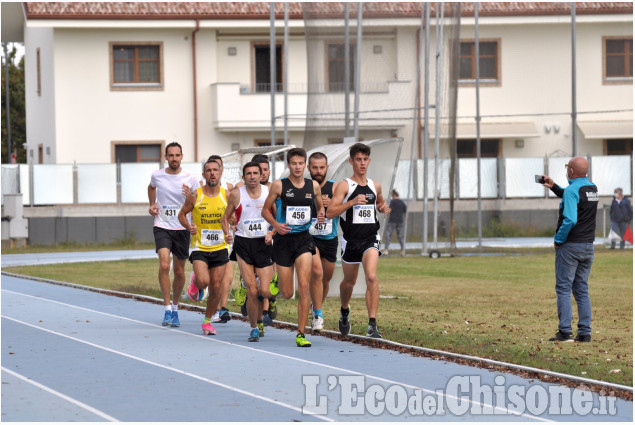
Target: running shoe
167, 318
193, 292
243, 310
208, 329
345, 325
175, 319
224, 315
241, 294
253, 335
267, 320
372, 331
273, 309
261, 329
273, 285
317, 324
216, 317
562, 337
301, 341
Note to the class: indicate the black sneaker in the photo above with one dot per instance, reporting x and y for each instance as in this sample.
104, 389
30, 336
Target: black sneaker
373, 332
562, 337
273, 309
582, 338
224, 315
345, 325
243, 310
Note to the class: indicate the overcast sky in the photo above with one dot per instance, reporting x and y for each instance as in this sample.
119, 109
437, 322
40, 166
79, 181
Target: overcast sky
20, 48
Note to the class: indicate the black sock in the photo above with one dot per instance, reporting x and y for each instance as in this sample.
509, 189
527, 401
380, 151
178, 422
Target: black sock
372, 321
345, 311
264, 312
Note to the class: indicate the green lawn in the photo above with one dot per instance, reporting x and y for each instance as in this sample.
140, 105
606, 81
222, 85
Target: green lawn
498, 307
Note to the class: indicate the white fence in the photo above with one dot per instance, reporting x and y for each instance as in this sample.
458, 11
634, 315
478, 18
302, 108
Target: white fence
53, 184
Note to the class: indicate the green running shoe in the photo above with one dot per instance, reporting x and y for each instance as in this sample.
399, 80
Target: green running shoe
261, 329
241, 294
273, 285
301, 341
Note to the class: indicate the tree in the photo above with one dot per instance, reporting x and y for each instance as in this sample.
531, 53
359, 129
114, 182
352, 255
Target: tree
17, 106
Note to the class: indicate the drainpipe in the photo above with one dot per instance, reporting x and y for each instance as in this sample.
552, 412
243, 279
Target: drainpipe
198, 27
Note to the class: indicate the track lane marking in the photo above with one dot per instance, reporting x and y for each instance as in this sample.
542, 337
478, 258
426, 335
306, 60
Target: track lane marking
507, 411
62, 396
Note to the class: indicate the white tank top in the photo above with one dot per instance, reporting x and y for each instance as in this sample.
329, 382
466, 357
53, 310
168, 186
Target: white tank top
249, 214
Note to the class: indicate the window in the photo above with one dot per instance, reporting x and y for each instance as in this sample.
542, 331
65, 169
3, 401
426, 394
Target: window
618, 59
336, 53
618, 147
488, 62
262, 68
138, 153
136, 66
490, 148
267, 142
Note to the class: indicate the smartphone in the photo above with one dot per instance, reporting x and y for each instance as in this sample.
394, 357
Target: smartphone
539, 179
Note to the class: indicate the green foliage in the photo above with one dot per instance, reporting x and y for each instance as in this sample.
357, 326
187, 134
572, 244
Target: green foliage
17, 109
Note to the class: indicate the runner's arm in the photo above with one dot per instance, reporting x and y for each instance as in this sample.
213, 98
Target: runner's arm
185, 210
318, 201
232, 202
274, 193
152, 198
382, 206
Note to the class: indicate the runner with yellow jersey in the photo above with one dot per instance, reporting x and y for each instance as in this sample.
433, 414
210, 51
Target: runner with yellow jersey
209, 249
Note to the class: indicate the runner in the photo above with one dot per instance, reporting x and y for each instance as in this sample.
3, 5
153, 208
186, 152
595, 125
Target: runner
166, 193
270, 311
293, 244
325, 239
252, 243
209, 249
356, 201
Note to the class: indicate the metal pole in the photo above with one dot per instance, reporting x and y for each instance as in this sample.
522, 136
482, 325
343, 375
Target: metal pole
478, 129
358, 60
272, 79
416, 114
347, 75
437, 116
426, 135
574, 110
7, 102
285, 79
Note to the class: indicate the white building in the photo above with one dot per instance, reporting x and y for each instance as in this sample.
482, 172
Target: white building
108, 82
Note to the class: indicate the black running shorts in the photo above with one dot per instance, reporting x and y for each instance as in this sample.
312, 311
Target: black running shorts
253, 251
212, 259
353, 251
327, 248
177, 241
286, 248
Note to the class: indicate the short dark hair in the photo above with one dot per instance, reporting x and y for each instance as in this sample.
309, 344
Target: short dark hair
260, 158
215, 158
296, 152
171, 145
359, 147
210, 159
251, 164
318, 155
395, 193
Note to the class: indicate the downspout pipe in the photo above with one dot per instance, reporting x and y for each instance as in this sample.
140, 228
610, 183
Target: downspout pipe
194, 97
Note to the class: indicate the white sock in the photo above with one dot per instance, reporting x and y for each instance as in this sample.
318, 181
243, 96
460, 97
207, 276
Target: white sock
175, 307
168, 307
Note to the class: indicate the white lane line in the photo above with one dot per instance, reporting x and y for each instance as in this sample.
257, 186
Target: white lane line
62, 396
508, 411
173, 369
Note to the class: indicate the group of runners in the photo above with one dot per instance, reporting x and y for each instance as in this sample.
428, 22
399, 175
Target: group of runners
273, 231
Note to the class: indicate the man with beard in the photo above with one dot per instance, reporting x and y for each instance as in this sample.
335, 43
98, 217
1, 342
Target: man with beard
166, 194
325, 239
209, 248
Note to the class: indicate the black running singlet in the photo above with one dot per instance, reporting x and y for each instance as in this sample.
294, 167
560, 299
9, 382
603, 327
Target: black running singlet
360, 221
295, 205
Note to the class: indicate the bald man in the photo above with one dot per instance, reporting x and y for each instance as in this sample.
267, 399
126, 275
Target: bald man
574, 248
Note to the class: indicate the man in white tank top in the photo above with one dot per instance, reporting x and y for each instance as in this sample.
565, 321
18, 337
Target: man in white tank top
252, 243
167, 191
